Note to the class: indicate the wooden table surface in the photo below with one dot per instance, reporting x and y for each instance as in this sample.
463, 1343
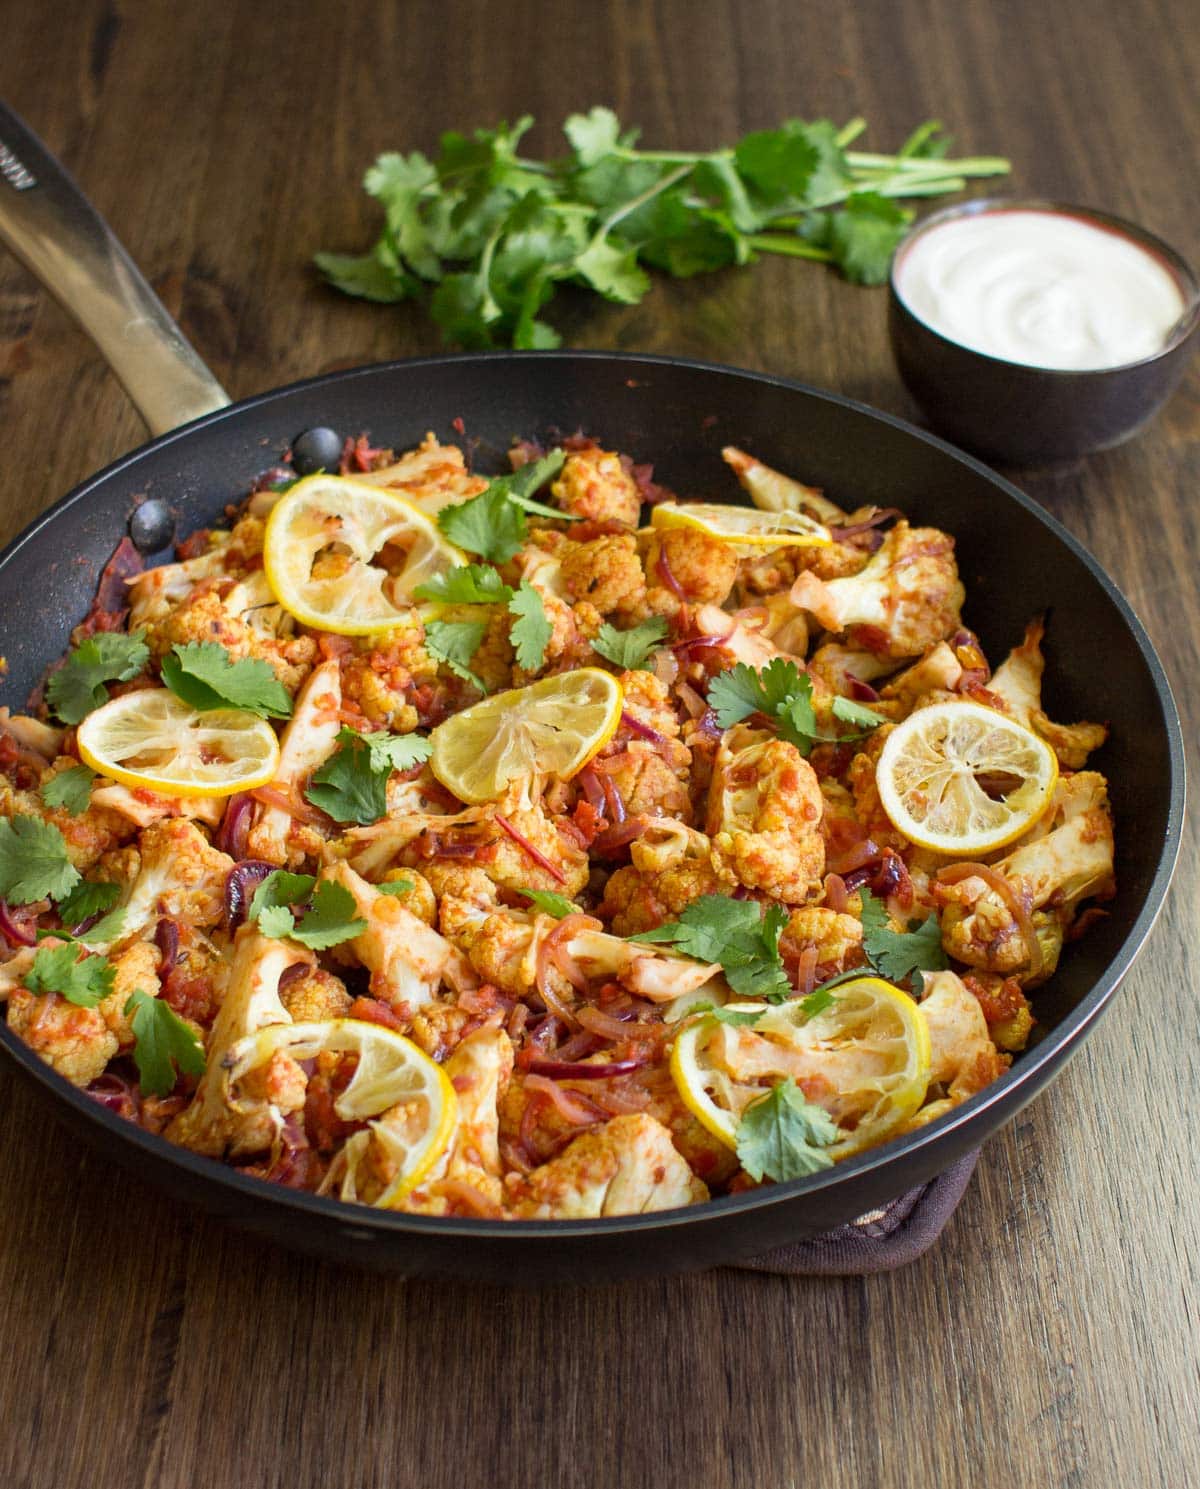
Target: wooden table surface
1051, 1336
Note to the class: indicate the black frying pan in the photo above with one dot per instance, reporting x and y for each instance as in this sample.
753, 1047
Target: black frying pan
1015, 562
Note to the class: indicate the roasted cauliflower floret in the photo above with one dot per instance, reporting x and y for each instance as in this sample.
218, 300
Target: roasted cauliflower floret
764, 816
180, 875
595, 485
907, 598
136, 968
1067, 858
1018, 683
628, 1167
671, 866
77, 1042
314, 996
250, 1001
607, 573
432, 476
688, 560
308, 741
964, 1059
479, 1070
646, 783
93, 833
406, 958
1005, 1008
206, 617
835, 937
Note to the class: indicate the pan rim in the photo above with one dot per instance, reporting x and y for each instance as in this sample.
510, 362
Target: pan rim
1058, 1045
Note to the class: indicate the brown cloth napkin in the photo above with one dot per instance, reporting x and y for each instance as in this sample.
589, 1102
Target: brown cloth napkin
880, 1240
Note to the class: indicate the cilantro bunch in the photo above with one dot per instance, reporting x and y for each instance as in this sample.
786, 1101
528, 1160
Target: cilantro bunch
784, 694
487, 235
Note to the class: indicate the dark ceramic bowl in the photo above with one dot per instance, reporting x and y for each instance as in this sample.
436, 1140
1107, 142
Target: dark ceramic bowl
1023, 415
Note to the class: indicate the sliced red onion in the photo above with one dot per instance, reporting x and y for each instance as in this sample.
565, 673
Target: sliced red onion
166, 938
580, 1070
13, 933
643, 731
663, 569
613, 839
696, 643
536, 854
863, 691
240, 883
589, 781
235, 825
883, 514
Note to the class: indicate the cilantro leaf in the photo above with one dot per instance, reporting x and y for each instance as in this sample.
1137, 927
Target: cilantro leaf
33, 861
738, 1017
531, 630
279, 890
466, 584
395, 886
737, 935
84, 981
593, 135
454, 643
613, 272
78, 685
329, 919
818, 1001
784, 694
205, 676
351, 786
865, 234
70, 789
856, 713
782, 1136
489, 524
531, 477
89, 897
370, 276
550, 903
630, 649
163, 1042
897, 955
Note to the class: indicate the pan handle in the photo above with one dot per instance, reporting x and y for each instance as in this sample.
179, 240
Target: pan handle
60, 237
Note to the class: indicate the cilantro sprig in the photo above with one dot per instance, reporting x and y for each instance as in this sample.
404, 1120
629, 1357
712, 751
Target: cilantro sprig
783, 694
895, 955
328, 919
782, 1136
456, 642
78, 686
351, 786
84, 980
485, 236
205, 676
164, 1044
494, 523
630, 649
738, 934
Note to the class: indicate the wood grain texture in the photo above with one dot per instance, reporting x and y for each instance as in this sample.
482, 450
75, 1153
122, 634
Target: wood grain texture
1051, 1337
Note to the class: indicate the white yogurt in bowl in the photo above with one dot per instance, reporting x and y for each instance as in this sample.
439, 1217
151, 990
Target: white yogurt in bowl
1041, 288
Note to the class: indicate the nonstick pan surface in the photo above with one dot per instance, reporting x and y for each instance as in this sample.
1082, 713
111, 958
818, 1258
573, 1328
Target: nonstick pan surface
1015, 561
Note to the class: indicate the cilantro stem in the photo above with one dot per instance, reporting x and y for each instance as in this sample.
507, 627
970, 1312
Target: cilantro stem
670, 157
978, 165
640, 200
850, 131
783, 243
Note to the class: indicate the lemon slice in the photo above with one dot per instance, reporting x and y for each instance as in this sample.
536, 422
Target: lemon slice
405, 1098
963, 779
552, 727
872, 1043
870, 1047
151, 738
747, 529
345, 556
